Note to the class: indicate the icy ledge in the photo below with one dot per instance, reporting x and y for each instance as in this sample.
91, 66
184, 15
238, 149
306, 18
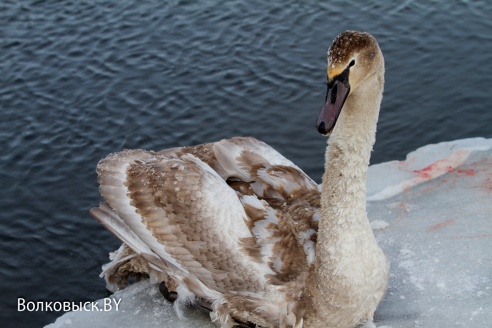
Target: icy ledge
431, 213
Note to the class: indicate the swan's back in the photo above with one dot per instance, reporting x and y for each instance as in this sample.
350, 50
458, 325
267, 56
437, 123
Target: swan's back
230, 224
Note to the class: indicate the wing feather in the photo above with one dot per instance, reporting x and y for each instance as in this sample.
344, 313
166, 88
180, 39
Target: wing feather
282, 207
234, 222
187, 215
112, 177
111, 221
271, 174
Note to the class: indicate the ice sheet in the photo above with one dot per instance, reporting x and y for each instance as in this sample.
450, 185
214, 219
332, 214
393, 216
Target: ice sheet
431, 213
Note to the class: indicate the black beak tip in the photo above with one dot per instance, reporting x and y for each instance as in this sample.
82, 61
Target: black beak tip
322, 128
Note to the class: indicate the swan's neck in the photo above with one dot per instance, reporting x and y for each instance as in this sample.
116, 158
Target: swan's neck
347, 157
346, 247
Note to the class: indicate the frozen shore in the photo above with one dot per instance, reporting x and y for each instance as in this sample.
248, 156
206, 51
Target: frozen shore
432, 215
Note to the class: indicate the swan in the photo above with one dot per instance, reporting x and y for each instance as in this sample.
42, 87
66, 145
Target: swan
238, 229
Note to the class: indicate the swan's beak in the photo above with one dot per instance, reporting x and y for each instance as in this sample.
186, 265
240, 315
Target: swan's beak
336, 95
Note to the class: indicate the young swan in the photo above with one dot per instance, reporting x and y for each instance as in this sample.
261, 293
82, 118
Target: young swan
235, 227
351, 271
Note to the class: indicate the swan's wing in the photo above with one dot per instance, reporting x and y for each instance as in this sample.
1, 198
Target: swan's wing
243, 158
271, 174
281, 201
238, 157
285, 235
226, 246
188, 216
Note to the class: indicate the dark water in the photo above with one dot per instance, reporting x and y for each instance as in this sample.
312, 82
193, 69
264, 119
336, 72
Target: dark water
81, 79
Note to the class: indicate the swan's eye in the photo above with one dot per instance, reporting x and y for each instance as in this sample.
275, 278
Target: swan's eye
352, 63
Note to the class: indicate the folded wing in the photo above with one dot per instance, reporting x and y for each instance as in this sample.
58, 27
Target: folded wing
233, 222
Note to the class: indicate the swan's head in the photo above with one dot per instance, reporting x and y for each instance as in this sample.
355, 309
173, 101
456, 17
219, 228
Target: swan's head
353, 56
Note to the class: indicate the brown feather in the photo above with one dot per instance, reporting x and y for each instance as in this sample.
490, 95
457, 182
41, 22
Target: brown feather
168, 190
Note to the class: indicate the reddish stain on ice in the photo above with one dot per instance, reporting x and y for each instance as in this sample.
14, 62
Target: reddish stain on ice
469, 172
442, 224
433, 170
436, 169
442, 166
